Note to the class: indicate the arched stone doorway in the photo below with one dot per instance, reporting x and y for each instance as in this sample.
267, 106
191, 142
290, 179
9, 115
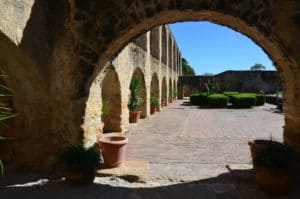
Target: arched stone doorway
154, 86
170, 91
140, 75
111, 102
164, 92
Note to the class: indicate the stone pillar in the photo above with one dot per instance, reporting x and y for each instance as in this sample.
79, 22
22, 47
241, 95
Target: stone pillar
291, 107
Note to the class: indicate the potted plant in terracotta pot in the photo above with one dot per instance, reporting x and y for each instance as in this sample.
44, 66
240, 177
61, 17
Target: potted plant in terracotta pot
154, 104
135, 101
113, 150
272, 168
79, 164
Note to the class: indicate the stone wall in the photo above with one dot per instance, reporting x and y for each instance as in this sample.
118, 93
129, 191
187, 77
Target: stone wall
242, 81
54, 51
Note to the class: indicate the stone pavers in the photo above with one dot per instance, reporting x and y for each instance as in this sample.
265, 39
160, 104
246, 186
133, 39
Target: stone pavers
184, 140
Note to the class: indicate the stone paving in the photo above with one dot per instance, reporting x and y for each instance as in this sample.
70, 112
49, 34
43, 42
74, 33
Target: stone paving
192, 153
184, 140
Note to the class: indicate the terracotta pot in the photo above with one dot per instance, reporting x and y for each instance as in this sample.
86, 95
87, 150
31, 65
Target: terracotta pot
257, 145
134, 116
80, 177
273, 181
113, 150
153, 109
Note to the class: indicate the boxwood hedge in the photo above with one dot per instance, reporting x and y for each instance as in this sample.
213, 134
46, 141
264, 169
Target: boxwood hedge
243, 100
217, 100
199, 99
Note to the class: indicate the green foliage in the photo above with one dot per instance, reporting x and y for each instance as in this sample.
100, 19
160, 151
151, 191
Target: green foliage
258, 67
154, 101
243, 100
174, 94
229, 94
199, 99
186, 68
76, 157
217, 100
1, 168
105, 109
274, 156
136, 100
260, 99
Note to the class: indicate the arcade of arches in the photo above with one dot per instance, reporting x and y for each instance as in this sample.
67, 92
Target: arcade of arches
57, 53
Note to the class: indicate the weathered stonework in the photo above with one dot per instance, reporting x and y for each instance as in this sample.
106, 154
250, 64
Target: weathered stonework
55, 54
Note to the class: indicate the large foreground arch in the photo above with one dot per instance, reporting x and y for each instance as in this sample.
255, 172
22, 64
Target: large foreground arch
74, 41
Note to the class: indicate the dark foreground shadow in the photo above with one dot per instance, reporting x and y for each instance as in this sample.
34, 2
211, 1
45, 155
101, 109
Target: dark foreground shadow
230, 185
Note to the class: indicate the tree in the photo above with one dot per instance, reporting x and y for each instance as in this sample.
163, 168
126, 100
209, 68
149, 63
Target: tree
208, 74
258, 67
186, 68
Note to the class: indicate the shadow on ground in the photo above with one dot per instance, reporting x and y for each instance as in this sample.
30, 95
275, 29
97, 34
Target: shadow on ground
234, 184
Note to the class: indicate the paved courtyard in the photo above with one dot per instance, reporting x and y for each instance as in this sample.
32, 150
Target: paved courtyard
185, 141
192, 153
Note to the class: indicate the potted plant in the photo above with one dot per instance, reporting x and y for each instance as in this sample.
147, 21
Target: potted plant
79, 164
5, 114
175, 94
113, 150
135, 101
259, 144
154, 104
105, 111
272, 168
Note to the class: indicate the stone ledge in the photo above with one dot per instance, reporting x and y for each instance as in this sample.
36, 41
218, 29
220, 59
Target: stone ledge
132, 171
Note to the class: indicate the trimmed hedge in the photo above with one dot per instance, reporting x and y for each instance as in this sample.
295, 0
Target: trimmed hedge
217, 100
229, 94
260, 99
243, 100
199, 99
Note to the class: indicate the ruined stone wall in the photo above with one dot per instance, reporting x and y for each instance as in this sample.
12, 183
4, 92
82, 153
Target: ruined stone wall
242, 81
53, 51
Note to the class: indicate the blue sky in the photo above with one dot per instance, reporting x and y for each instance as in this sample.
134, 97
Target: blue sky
213, 48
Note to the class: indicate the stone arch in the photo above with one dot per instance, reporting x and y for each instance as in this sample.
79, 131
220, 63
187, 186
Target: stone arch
139, 74
111, 99
170, 90
164, 45
154, 86
164, 92
154, 42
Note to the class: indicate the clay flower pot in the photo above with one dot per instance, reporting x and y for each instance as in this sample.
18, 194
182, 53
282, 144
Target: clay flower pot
113, 150
134, 116
257, 145
80, 177
273, 181
153, 109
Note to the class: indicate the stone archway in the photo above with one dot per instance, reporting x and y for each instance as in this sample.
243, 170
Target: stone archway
170, 91
83, 38
164, 92
111, 102
154, 86
140, 75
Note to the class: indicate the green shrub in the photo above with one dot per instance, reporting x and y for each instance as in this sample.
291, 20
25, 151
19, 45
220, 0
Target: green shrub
199, 99
243, 100
217, 100
260, 99
229, 94
77, 157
